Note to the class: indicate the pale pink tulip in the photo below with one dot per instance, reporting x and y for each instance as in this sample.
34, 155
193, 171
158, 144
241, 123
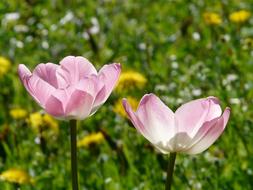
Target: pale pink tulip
71, 90
194, 126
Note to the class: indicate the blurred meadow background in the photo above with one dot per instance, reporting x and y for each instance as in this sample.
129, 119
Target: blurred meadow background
179, 50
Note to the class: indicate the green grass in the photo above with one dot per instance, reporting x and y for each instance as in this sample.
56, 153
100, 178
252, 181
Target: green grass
156, 39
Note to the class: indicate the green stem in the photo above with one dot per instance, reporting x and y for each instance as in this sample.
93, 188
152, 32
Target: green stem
73, 154
170, 170
16, 186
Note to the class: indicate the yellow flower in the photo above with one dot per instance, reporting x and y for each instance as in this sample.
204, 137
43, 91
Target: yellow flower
94, 138
239, 16
39, 121
119, 109
212, 18
131, 79
5, 65
36, 120
51, 123
18, 113
16, 176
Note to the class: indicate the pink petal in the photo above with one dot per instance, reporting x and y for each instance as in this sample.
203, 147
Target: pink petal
47, 72
57, 102
79, 105
94, 87
157, 119
91, 85
191, 116
109, 74
23, 72
215, 110
183, 142
37, 88
54, 107
134, 119
98, 100
72, 69
215, 129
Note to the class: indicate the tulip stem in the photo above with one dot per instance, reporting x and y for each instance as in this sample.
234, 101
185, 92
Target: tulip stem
73, 154
170, 170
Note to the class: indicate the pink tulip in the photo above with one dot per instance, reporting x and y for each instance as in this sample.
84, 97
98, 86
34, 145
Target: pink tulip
71, 90
194, 126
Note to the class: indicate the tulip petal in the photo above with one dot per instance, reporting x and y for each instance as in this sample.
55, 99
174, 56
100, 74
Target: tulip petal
179, 142
191, 116
37, 88
91, 85
215, 130
183, 142
47, 72
72, 69
99, 100
94, 87
157, 119
56, 104
54, 107
79, 105
23, 72
109, 74
134, 119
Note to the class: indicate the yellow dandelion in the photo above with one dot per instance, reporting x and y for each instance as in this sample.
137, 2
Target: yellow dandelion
212, 18
39, 121
18, 113
130, 80
35, 120
51, 123
16, 176
5, 65
94, 138
119, 109
239, 16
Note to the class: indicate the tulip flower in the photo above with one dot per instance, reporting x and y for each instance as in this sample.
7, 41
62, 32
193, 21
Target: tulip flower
193, 128
71, 91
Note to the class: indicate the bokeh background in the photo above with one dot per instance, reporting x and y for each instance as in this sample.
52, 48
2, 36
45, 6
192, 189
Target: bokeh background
179, 50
